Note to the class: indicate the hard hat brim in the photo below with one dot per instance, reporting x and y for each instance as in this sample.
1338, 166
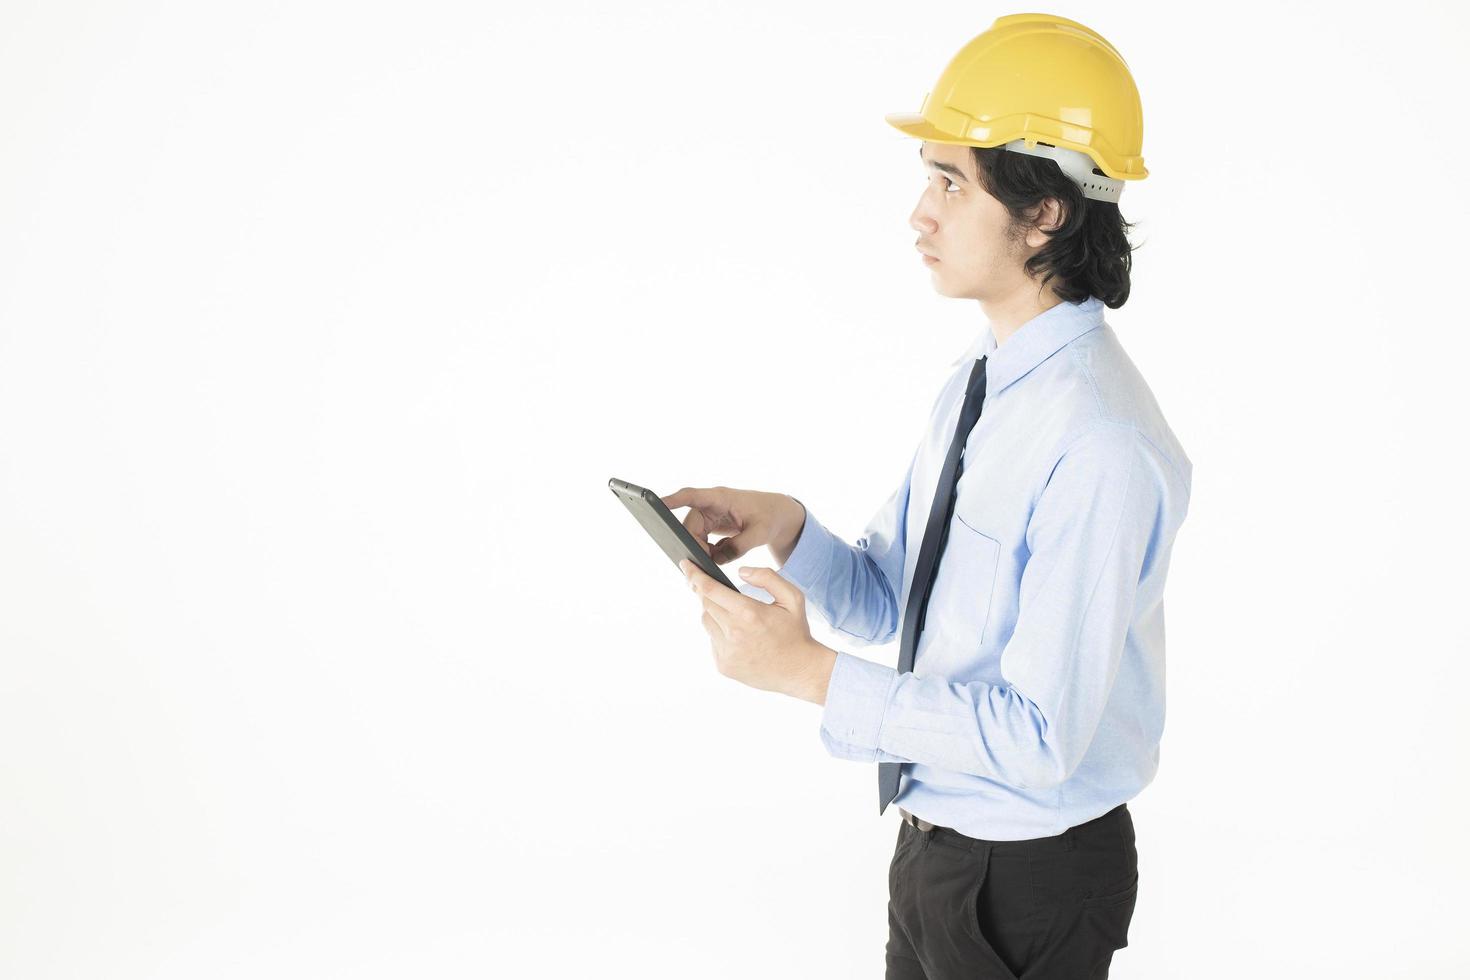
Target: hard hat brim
913, 124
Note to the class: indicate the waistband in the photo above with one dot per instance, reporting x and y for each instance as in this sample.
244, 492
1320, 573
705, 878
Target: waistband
1066, 840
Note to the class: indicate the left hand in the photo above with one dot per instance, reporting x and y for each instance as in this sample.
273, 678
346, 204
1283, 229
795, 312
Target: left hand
764, 645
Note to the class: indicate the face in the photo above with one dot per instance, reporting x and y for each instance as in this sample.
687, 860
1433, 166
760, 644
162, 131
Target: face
963, 229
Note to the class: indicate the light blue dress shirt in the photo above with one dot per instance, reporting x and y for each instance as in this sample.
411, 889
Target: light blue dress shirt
1036, 701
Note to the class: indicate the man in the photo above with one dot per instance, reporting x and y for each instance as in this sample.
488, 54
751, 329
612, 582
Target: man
1020, 562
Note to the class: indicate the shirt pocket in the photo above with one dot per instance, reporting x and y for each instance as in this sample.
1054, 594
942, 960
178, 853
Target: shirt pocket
964, 584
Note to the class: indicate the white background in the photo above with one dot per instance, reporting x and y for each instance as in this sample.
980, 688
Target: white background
327, 651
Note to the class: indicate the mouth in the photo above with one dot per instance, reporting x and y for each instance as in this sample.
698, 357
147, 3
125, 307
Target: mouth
928, 259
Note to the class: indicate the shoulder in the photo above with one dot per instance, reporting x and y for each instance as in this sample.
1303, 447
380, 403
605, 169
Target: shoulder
1110, 408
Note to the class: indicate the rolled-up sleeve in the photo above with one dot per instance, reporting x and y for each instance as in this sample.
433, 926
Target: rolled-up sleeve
1088, 535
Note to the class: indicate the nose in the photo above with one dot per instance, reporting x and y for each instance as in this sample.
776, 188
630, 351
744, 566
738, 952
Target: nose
920, 221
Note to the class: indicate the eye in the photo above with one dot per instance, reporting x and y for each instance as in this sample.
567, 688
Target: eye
952, 186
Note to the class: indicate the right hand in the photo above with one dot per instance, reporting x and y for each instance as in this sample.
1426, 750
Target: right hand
750, 518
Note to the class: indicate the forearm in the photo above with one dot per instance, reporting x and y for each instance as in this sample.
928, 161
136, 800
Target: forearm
873, 713
855, 593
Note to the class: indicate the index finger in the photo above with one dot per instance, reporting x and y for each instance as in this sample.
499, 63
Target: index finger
685, 497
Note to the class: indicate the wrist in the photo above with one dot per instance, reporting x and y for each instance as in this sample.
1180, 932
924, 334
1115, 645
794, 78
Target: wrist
814, 679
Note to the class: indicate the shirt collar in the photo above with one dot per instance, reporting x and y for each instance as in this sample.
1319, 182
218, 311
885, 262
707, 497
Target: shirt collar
1033, 342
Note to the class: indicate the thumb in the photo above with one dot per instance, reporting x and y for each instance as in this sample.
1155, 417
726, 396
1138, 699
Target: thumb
786, 595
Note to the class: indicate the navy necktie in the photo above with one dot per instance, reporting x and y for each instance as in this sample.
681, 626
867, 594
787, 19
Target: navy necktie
935, 535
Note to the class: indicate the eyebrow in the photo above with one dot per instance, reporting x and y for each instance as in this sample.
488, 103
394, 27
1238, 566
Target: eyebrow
947, 168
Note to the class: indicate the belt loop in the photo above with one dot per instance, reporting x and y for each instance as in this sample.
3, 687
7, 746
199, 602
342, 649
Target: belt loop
1069, 839
914, 821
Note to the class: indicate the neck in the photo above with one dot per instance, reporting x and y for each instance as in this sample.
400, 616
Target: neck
1008, 314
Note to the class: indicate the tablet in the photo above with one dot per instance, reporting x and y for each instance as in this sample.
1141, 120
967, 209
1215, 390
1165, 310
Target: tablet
666, 529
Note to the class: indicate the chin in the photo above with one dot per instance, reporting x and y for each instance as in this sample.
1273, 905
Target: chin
944, 289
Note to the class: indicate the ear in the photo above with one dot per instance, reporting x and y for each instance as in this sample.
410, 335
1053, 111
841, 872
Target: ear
1048, 219
1051, 214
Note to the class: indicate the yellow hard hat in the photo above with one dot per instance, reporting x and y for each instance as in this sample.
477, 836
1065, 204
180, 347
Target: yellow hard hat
1045, 86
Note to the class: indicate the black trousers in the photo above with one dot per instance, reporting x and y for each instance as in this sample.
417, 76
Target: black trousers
1049, 908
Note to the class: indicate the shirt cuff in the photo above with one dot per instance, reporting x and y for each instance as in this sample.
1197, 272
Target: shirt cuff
857, 699
811, 559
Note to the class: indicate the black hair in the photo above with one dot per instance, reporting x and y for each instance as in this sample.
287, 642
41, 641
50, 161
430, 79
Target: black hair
1088, 254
